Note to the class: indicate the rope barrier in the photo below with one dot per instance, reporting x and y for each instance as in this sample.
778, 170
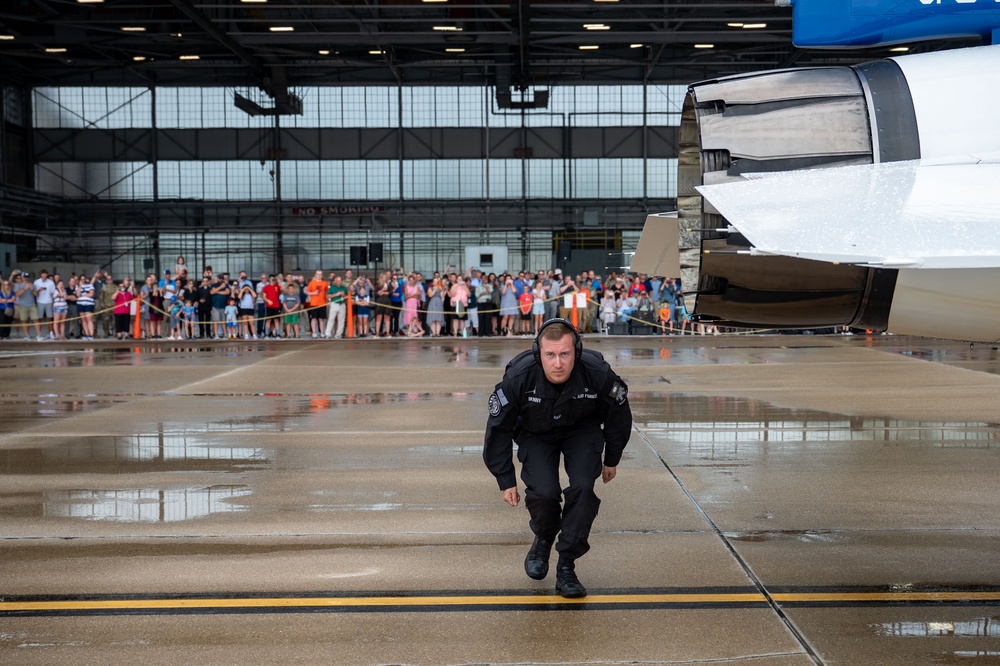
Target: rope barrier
48, 322
304, 310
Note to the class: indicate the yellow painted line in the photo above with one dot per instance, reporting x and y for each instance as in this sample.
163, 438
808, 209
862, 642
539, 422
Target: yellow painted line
350, 602
403, 603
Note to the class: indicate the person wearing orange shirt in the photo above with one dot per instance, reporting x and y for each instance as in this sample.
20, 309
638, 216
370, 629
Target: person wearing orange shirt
316, 293
666, 317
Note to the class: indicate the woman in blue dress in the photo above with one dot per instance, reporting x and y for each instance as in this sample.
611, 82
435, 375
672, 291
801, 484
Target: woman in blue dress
508, 305
435, 307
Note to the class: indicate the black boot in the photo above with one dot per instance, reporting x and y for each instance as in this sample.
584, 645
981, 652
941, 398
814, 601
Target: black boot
536, 563
567, 584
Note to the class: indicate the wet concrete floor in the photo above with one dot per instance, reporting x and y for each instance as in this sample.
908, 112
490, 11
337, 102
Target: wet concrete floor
783, 500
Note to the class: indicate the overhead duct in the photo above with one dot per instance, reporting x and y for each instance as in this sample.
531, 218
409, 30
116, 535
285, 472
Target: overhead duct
291, 105
538, 100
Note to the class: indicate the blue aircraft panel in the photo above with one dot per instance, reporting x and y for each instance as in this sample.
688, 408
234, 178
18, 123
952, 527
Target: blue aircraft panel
854, 23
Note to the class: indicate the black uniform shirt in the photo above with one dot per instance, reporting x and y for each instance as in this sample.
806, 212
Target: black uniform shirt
525, 403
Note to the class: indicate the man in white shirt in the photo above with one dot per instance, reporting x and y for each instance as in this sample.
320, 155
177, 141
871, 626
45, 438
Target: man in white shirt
45, 290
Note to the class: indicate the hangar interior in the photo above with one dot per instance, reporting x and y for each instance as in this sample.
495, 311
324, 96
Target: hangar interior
277, 134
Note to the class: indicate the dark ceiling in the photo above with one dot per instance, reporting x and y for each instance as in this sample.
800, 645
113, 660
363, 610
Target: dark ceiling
509, 44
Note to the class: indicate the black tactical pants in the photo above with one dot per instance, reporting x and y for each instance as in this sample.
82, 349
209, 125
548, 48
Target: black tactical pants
581, 452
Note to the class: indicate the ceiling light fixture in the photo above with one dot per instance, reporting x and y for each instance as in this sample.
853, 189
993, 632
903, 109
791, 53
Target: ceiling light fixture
596, 26
455, 50
900, 49
324, 52
375, 52
430, 1
704, 46
281, 28
55, 50
133, 28
254, 1
589, 48
138, 58
635, 46
89, 2
6, 38
754, 26
735, 25
447, 28
190, 57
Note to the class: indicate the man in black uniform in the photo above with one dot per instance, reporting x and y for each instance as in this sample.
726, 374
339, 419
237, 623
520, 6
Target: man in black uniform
558, 398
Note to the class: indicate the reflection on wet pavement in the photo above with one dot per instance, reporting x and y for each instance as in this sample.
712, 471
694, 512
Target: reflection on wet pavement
980, 357
986, 626
18, 412
811, 536
138, 453
285, 412
144, 505
137, 355
725, 428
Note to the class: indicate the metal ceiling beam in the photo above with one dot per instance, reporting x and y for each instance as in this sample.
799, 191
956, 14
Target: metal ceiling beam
523, 35
256, 64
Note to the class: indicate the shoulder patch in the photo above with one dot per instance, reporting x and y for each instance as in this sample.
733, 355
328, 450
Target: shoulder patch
619, 392
497, 402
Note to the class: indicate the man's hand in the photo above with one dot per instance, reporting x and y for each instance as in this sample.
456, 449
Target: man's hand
511, 497
608, 473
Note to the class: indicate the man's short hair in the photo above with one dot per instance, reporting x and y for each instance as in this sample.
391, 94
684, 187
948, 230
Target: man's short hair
556, 331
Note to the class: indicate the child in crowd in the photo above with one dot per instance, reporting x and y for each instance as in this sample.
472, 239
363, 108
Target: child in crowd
291, 304
175, 320
683, 318
189, 318
415, 329
363, 302
232, 312
665, 316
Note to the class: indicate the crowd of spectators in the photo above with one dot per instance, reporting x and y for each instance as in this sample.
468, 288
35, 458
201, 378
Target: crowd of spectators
178, 305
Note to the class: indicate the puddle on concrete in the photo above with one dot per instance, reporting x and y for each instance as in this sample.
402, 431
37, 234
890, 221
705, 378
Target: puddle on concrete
18, 412
160, 452
804, 536
378, 506
151, 505
985, 627
971, 657
166, 353
981, 358
472, 450
720, 428
962, 630
285, 412
50, 404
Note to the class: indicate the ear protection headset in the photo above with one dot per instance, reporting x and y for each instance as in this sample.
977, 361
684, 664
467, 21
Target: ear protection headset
536, 349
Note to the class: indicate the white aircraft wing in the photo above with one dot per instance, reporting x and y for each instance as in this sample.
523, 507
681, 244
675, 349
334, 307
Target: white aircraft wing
893, 215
